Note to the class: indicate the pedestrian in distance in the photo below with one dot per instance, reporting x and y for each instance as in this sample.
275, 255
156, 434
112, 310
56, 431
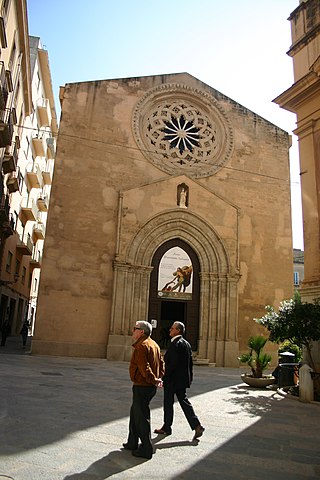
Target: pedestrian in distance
146, 370
177, 378
24, 333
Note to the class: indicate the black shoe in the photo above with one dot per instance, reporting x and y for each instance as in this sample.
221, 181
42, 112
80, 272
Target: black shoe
162, 431
198, 431
140, 453
127, 446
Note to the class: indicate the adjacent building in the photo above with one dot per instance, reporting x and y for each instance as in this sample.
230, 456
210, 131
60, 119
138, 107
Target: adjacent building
170, 201
303, 98
298, 268
28, 130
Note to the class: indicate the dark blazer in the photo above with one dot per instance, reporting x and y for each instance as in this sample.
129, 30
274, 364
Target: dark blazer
178, 364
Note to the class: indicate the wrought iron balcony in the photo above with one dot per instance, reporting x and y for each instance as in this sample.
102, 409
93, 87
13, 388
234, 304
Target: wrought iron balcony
3, 87
7, 224
38, 231
47, 175
39, 145
34, 175
24, 244
28, 210
44, 112
36, 259
7, 121
10, 160
3, 36
13, 182
43, 203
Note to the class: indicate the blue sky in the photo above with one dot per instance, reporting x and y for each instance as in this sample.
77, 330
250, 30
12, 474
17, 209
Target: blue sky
236, 46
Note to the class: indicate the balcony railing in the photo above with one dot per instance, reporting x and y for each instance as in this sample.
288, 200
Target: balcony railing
47, 175
13, 181
3, 36
43, 203
24, 244
7, 121
39, 145
4, 207
28, 210
10, 160
44, 112
38, 231
3, 87
34, 175
36, 259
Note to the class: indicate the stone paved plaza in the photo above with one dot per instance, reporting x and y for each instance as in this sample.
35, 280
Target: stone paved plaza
66, 419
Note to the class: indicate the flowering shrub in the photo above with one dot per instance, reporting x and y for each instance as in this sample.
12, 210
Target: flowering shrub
295, 321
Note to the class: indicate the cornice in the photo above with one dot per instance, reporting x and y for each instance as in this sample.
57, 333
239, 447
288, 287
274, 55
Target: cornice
299, 93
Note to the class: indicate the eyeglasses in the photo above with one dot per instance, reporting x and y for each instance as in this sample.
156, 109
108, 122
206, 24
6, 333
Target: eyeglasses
137, 328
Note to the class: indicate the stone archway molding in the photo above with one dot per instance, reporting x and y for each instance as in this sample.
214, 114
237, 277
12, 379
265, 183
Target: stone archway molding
218, 322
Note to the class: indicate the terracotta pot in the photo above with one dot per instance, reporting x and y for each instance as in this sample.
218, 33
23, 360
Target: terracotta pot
257, 382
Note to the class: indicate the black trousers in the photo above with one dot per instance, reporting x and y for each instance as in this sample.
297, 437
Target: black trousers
168, 400
139, 425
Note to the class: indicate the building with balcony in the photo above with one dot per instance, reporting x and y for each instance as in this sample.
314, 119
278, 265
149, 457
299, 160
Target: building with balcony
28, 129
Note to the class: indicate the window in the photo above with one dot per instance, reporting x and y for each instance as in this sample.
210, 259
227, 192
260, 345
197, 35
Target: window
12, 56
5, 8
20, 181
16, 93
9, 262
23, 278
296, 281
17, 267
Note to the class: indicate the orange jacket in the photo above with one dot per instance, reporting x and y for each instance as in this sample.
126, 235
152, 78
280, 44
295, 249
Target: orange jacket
146, 365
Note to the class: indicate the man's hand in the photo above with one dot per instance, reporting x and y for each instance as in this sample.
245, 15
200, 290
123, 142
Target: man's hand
159, 383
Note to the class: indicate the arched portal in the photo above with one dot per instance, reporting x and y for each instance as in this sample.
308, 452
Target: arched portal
177, 298
218, 311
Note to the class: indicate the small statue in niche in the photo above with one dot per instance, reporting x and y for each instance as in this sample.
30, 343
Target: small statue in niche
183, 198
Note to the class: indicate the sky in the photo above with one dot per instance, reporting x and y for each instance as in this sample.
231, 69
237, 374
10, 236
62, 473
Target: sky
236, 46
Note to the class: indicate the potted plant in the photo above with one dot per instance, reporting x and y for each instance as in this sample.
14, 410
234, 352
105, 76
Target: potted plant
297, 322
258, 361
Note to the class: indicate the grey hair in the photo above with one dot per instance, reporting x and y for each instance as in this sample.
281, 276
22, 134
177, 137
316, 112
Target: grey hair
180, 326
146, 327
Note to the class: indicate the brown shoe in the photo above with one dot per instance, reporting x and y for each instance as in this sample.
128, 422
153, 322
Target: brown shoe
198, 432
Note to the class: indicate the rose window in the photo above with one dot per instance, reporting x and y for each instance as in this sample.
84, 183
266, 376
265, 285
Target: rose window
180, 135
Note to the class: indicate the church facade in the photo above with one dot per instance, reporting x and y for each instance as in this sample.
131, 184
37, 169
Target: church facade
170, 201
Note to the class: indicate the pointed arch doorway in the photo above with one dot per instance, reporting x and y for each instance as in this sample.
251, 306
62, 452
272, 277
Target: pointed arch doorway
178, 298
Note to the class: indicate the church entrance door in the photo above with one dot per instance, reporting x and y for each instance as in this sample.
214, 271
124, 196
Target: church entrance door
174, 292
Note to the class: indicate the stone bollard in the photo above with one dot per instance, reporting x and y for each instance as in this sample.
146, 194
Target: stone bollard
305, 384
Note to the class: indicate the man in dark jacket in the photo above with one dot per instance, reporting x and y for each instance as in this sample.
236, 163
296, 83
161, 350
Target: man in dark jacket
178, 376
146, 369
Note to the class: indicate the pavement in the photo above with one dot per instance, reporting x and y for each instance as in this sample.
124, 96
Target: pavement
66, 419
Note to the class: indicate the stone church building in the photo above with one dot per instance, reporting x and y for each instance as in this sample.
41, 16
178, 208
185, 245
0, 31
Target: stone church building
170, 201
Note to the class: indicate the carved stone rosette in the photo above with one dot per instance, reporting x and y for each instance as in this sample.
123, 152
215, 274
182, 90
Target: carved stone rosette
181, 129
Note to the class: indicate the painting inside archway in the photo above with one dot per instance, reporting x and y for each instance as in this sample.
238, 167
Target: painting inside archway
175, 275
178, 304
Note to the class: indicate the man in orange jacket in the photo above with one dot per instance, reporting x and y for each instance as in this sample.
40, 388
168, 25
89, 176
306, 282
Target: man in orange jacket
146, 370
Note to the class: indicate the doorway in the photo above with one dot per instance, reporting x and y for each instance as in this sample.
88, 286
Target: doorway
170, 312
166, 310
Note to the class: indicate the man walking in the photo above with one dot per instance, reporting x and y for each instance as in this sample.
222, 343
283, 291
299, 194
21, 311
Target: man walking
178, 376
146, 370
